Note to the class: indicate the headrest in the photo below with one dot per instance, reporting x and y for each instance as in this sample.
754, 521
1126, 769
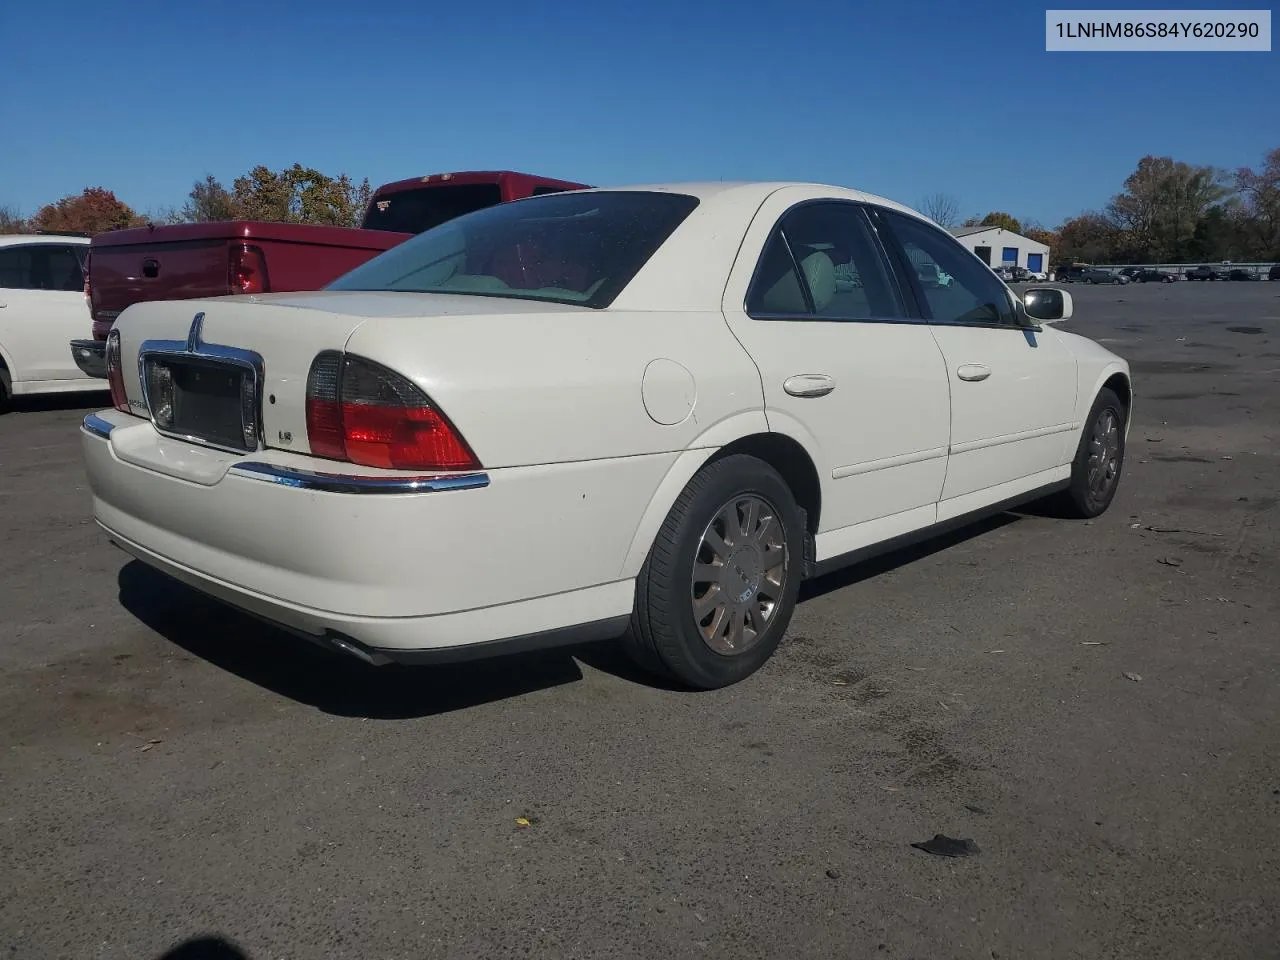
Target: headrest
820, 274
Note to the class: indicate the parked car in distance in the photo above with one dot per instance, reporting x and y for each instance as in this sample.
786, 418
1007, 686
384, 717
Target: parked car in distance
1018, 275
1070, 272
1203, 272
1152, 275
189, 260
41, 307
1099, 275
691, 443
1274, 272
1239, 273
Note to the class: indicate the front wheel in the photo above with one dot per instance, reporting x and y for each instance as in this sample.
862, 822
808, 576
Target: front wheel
719, 586
1099, 460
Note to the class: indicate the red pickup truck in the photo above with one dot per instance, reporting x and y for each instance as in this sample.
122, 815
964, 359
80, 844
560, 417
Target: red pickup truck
188, 260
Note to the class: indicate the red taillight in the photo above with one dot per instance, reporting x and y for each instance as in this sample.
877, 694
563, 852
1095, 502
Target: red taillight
248, 270
115, 372
360, 411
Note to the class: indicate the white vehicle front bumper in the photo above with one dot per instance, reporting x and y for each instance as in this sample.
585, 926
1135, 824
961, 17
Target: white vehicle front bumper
458, 566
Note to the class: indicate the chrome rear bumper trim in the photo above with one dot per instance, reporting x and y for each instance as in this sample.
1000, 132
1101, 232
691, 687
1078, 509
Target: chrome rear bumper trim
347, 483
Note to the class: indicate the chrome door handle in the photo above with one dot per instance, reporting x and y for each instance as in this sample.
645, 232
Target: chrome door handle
809, 385
973, 371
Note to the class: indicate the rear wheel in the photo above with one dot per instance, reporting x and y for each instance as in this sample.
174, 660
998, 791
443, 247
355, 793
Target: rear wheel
5, 388
719, 586
1099, 460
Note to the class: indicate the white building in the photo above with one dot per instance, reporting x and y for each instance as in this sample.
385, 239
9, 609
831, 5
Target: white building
998, 247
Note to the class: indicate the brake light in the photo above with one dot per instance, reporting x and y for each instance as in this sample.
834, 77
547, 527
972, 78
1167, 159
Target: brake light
361, 412
248, 270
85, 268
115, 372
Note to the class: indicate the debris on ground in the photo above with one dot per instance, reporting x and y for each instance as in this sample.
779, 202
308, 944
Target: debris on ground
944, 846
1130, 675
523, 822
974, 808
1170, 561
833, 873
1093, 643
149, 744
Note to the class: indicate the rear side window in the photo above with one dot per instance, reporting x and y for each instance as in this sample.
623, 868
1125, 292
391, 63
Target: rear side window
822, 262
43, 266
418, 210
572, 247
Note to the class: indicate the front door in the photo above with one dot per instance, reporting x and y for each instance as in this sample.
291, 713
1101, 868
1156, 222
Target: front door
1013, 389
814, 301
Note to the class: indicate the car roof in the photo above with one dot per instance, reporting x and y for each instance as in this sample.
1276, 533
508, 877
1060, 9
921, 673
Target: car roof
755, 191
12, 239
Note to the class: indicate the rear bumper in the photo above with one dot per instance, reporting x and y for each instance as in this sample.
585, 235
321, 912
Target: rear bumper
452, 568
91, 357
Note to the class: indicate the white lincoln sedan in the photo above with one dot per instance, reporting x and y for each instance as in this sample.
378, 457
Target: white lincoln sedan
644, 413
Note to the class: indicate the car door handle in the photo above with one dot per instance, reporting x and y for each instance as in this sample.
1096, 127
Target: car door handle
809, 385
973, 371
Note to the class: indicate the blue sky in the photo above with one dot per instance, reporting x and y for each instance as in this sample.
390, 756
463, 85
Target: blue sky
898, 98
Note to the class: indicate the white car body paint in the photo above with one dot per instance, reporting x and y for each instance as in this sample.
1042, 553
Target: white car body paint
588, 425
37, 326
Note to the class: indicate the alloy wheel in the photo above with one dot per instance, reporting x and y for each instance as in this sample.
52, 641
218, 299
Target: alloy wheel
739, 574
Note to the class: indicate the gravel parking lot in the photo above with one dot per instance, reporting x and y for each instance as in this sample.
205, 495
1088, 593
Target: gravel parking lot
1094, 704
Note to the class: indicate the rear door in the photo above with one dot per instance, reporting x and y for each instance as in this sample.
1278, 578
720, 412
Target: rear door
42, 289
817, 306
1013, 389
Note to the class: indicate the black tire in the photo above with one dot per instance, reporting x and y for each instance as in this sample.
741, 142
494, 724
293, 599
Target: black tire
1082, 500
665, 636
4, 389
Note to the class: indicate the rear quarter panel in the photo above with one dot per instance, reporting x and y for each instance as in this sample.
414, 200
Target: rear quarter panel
578, 385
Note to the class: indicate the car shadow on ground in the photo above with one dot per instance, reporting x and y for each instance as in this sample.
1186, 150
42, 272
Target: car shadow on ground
54, 402
344, 686
334, 683
205, 948
901, 557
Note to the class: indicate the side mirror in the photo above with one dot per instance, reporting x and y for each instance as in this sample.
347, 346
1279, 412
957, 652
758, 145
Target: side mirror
1047, 304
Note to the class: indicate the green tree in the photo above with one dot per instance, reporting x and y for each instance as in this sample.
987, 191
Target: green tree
209, 201
1260, 192
998, 218
1162, 202
94, 210
300, 195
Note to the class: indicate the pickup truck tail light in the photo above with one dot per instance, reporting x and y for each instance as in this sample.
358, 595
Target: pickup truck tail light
115, 372
248, 270
361, 412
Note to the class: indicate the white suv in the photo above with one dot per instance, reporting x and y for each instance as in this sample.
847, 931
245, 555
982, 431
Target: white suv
42, 308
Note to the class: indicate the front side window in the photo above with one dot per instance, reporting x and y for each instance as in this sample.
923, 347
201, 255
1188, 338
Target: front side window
971, 293
573, 247
822, 262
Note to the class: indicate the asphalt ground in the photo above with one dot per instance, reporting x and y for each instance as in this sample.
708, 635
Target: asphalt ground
1094, 704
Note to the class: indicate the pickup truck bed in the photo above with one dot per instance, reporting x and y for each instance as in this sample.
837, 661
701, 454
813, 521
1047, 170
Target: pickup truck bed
185, 261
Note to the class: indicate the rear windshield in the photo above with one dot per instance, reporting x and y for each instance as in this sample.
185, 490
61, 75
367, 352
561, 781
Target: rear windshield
418, 210
575, 248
